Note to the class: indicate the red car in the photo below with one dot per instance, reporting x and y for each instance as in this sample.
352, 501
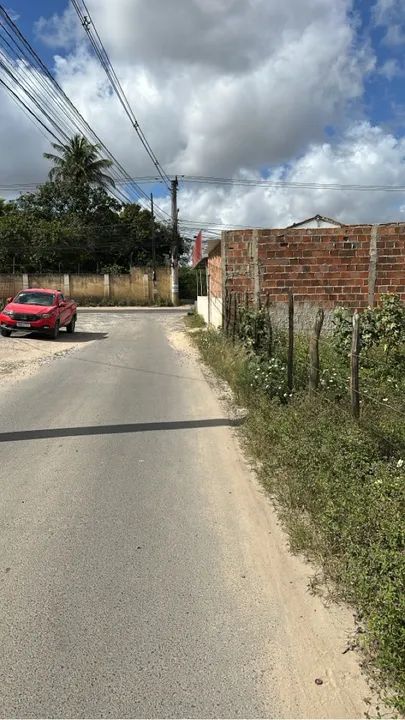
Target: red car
38, 310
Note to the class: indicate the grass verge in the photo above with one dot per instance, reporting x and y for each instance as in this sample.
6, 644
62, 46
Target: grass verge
339, 488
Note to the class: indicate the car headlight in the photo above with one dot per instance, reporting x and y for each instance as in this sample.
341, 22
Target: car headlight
8, 312
46, 315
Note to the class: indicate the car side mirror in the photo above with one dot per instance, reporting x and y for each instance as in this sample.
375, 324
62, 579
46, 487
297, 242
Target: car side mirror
9, 300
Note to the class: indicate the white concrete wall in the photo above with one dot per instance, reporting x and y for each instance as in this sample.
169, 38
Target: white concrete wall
214, 317
202, 306
216, 311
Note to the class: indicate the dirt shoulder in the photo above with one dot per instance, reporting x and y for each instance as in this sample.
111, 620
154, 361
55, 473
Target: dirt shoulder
21, 356
314, 675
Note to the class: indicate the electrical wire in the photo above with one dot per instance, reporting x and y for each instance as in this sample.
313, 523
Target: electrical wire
56, 104
264, 183
98, 47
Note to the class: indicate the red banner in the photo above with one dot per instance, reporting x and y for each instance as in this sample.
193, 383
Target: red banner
197, 249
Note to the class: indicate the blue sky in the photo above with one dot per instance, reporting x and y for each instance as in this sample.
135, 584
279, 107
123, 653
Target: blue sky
384, 99
303, 90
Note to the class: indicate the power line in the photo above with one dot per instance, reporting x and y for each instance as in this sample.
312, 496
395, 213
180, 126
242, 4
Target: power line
264, 183
27, 109
98, 47
27, 70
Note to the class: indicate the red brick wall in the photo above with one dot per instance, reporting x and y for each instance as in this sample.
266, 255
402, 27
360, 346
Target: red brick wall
215, 272
324, 266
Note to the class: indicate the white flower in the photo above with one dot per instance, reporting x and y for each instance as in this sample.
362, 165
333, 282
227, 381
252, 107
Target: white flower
400, 463
385, 399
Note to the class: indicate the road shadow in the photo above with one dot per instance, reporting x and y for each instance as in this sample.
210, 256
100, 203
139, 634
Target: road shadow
43, 434
64, 337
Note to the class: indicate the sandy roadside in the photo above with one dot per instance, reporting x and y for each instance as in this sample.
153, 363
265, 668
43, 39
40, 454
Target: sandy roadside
313, 672
22, 356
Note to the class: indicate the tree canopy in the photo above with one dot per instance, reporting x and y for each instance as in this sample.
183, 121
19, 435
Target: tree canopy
78, 162
72, 223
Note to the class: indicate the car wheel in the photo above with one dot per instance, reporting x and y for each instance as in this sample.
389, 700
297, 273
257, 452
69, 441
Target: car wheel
71, 327
54, 333
5, 332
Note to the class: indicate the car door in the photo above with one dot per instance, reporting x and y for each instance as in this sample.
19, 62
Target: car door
64, 311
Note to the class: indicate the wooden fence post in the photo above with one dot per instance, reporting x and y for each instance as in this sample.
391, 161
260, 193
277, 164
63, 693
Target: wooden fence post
355, 366
234, 319
227, 306
269, 328
290, 358
314, 351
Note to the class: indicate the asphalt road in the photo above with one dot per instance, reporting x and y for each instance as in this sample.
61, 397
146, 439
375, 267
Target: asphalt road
127, 585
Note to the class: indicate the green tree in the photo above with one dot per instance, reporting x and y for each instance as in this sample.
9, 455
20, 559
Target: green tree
6, 207
78, 162
137, 224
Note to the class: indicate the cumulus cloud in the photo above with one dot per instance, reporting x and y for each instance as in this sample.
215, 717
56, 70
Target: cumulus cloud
230, 87
22, 146
391, 15
390, 69
365, 155
387, 11
216, 85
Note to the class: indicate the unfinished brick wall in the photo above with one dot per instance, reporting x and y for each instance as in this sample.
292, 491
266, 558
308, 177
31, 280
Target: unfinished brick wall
215, 271
322, 266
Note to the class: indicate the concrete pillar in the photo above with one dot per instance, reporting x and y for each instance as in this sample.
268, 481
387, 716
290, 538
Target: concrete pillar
66, 285
256, 272
106, 286
372, 268
25, 281
224, 277
146, 286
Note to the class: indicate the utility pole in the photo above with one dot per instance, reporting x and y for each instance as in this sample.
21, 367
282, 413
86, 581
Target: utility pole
153, 235
152, 230
174, 261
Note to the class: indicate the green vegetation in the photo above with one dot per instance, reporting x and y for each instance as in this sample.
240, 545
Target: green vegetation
78, 162
72, 224
194, 321
338, 484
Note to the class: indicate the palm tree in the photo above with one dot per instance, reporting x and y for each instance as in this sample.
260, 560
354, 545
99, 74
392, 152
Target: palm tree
79, 162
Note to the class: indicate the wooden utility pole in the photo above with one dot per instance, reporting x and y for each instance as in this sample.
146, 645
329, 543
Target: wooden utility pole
152, 232
314, 351
153, 236
355, 366
290, 358
174, 261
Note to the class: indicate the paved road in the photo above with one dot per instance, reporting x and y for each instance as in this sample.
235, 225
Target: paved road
127, 586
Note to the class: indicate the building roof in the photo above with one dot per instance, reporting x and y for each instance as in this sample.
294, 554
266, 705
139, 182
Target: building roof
317, 221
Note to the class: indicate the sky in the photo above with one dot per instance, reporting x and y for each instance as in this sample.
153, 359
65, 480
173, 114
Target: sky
298, 91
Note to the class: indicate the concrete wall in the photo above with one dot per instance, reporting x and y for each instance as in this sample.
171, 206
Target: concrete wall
10, 285
210, 309
137, 288
202, 306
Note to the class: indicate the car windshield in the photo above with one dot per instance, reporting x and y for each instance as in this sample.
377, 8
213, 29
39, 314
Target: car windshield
35, 298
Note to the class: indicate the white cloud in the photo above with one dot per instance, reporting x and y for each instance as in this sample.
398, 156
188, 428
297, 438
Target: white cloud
387, 11
391, 15
216, 85
390, 69
366, 155
59, 31
22, 146
224, 87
